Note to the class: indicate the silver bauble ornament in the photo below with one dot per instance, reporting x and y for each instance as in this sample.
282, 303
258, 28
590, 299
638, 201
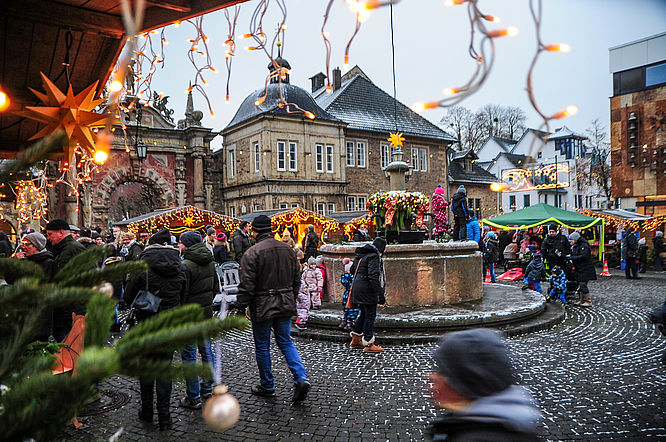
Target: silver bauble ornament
222, 410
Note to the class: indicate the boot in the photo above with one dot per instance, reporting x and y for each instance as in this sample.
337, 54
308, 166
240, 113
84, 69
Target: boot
580, 299
370, 347
356, 341
165, 421
587, 300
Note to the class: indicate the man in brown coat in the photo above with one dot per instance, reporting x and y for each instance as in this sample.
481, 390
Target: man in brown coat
270, 280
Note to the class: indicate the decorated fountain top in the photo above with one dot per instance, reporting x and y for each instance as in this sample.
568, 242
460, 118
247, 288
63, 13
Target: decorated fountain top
397, 170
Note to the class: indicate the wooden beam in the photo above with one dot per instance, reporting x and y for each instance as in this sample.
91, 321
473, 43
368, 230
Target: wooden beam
63, 15
156, 17
174, 5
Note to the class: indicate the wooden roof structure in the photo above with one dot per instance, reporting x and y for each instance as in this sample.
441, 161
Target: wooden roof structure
35, 34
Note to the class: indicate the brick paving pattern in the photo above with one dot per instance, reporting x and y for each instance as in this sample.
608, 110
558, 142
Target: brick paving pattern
595, 376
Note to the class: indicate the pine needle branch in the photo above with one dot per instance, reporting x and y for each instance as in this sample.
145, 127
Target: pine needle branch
113, 273
164, 321
98, 320
82, 262
14, 269
35, 153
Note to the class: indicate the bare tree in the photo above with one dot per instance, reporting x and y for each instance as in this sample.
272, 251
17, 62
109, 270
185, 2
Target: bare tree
599, 165
472, 128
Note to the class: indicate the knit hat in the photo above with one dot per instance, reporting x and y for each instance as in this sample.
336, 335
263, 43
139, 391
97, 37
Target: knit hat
73, 228
221, 236
462, 189
537, 256
553, 228
95, 235
36, 239
532, 248
439, 190
210, 231
57, 224
261, 224
319, 260
190, 238
491, 235
380, 244
556, 270
161, 237
476, 362
574, 236
312, 261
659, 233
347, 263
641, 241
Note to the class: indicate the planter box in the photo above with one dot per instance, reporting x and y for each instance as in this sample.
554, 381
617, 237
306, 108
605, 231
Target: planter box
404, 237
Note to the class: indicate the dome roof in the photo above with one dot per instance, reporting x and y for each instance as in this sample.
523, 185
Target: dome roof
290, 93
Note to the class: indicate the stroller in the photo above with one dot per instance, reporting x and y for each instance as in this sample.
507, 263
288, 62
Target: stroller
228, 279
510, 254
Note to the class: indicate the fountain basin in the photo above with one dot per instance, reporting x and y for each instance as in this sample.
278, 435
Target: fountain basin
427, 274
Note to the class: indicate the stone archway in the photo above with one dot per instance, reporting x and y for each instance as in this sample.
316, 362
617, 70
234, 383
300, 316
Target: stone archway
147, 185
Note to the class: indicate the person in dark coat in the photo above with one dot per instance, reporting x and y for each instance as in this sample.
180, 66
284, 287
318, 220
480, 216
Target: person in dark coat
491, 254
473, 380
460, 214
630, 254
33, 248
165, 279
131, 250
270, 280
311, 243
221, 250
642, 255
505, 238
583, 267
64, 248
202, 284
535, 272
241, 240
555, 247
659, 248
6, 247
361, 234
368, 290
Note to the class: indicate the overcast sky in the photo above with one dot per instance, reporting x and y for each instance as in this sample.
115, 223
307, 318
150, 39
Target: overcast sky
431, 43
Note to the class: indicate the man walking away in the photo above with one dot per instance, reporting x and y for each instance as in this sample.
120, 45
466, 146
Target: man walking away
241, 240
460, 214
630, 254
270, 281
659, 248
201, 285
584, 267
311, 242
64, 248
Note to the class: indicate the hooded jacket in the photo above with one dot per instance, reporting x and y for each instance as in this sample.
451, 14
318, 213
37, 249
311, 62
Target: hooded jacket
270, 279
535, 270
506, 416
368, 285
492, 250
201, 277
630, 246
241, 244
313, 278
473, 230
166, 277
559, 282
582, 259
86, 242
459, 205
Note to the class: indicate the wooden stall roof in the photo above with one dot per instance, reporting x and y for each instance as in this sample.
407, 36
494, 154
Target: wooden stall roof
34, 37
179, 219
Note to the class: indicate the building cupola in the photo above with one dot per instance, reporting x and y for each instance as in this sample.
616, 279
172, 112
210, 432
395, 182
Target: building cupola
283, 67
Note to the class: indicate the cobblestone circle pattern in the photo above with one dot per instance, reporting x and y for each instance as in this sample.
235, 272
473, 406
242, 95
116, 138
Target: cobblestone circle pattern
596, 376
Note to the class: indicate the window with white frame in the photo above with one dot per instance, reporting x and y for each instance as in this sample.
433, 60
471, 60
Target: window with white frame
360, 203
330, 207
329, 159
321, 209
281, 156
283, 205
294, 205
386, 155
256, 155
232, 163
293, 157
423, 164
415, 158
350, 154
360, 154
255, 207
351, 203
232, 211
319, 158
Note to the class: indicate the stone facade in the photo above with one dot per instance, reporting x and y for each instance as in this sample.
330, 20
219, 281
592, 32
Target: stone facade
479, 198
647, 178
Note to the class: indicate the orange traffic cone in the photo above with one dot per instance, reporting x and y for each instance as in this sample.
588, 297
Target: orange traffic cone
487, 275
605, 271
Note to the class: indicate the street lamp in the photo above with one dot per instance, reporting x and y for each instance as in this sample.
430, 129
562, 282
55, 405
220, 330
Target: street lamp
139, 145
498, 188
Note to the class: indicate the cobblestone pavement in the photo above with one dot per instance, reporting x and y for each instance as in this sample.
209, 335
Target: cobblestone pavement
595, 376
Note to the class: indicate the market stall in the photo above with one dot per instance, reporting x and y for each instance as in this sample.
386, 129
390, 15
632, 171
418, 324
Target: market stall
541, 214
296, 221
350, 221
179, 220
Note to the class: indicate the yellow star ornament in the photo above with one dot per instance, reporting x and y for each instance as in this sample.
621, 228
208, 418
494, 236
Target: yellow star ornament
396, 139
72, 113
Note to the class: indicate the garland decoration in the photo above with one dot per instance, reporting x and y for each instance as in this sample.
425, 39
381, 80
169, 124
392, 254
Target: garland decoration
394, 209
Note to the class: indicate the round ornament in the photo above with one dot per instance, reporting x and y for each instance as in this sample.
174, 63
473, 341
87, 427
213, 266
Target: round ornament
222, 410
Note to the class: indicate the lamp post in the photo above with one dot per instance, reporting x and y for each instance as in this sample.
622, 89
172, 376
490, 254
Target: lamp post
498, 188
139, 145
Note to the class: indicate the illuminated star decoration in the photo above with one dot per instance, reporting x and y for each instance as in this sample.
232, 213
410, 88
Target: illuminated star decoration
72, 113
189, 221
396, 139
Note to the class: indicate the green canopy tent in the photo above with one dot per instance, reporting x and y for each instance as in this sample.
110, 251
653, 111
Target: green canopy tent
545, 214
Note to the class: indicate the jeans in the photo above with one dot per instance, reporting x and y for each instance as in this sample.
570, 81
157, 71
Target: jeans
657, 262
460, 228
262, 347
491, 266
366, 321
189, 356
162, 387
631, 268
536, 284
553, 293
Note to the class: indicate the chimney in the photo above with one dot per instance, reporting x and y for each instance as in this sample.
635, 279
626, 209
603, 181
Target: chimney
337, 79
317, 81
